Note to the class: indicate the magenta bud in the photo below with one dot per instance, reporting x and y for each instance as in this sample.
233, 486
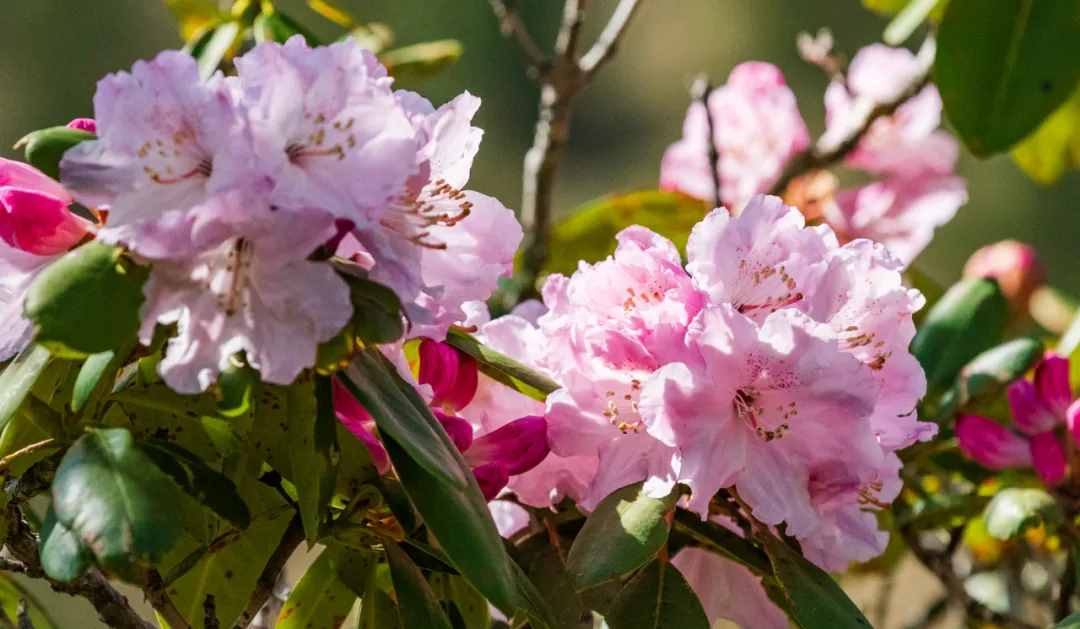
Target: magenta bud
459, 430
1015, 266
994, 446
451, 374
492, 478
38, 223
83, 124
518, 446
355, 418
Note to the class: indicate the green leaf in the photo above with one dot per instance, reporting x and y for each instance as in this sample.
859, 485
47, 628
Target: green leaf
1004, 65
419, 608
377, 315
236, 388
588, 232
373, 381
45, 147
87, 301
213, 46
378, 610
18, 379
275, 26
320, 599
656, 598
814, 600
1015, 509
1072, 621
502, 368
622, 534
546, 567
90, 374
12, 595
991, 371
421, 61
206, 485
967, 320
63, 556
110, 494
909, 18
471, 607
722, 541
1054, 147
194, 15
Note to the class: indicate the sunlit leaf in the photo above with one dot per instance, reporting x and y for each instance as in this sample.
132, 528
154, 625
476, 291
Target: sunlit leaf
502, 368
1054, 147
320, 599
418, 62
45, 147
1015, 509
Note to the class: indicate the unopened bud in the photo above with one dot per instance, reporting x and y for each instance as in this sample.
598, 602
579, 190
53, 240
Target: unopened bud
1015, 266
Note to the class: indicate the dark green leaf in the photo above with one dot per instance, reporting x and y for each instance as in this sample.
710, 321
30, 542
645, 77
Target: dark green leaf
45, 147
275, 26
421, 61
1015, 509
991, 371
1071, 621
503, 368
470, 606
1004, 65
419, 608
815, 601
657, 598
376, 311
63, 556
622, 534
721, 540
18, 379
203, 483
87, 301
546, 567
588, 232
320, 599
967, 320
109, 493
90, 374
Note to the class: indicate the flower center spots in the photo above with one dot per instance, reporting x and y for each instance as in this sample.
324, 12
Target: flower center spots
438, 204
325, 139
746, 404
766, 288
648, 294
622, 410
174, 160
237, 270
870, 342
868, 496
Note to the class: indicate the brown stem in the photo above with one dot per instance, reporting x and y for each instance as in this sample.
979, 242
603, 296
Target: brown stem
112, 607
21, 452
264, 586
700, 92
828, 151
156, 593
511, 25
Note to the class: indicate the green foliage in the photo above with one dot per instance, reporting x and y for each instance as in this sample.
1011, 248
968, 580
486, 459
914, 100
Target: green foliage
625, 531
194, 15
45, 147
90, 374
63, 555
213, 45
275, 26
203, 483
502, 368
814, 600
419, 607
12, 594
322, 598
18, 379
588, 232
967, 320
987, 375
656, 598
1015, 509
112, 496
1055, 146
1072, 621
411, 64
1004, 65
87, 301
909, 17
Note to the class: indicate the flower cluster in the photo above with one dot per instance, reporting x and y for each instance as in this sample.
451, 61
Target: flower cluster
757, 129
229, 187
775, 364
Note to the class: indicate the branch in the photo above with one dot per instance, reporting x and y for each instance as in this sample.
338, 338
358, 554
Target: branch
608, 42
511, 25
700, 91
112, 607
828, 151
159, 599
264, 586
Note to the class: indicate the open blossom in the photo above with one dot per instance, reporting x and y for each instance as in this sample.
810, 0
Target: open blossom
755, 129
1040, 408
36, 227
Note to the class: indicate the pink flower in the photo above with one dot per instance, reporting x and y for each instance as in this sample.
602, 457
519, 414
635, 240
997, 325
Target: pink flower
36, 227
83, 124
355, 418
756, 129
450, 373
728, 590
1040, 408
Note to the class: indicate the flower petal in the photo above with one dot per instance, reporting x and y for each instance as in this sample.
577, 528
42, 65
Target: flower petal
1030, 412
991, 444
1052, 383
1048, 457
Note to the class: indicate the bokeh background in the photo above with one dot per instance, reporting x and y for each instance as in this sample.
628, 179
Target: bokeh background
53, 51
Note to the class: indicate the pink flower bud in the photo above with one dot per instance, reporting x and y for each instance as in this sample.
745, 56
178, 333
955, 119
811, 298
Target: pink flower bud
34, 215
991, 444
1014, 265
491, 478
518, 446
359, 422
83, 124
451, 374
459, 430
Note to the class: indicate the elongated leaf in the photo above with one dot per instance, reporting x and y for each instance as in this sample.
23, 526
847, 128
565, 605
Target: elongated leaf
18, 379
213, 46
624, 533
723, 541
113, 497
90, 374
815, 601
87, 301
1072, 621
503, 368
1055, 146
371, 380
657, 598
418, 62
12, 594
275, 26
419, 608
320, 599
546, 567
469, 608
1004, 65
967, 320
588, 232
1014, 509
991, 371
378, 610
44, 148
63, 555
203, 483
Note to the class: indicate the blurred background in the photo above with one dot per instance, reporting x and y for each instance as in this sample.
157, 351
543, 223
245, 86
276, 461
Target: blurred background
53, 51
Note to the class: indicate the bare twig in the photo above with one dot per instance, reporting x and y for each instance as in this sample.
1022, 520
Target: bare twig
264, 586
511, 25
158, 596
112, 607
6, 461
829, 150
700, 91
561, 78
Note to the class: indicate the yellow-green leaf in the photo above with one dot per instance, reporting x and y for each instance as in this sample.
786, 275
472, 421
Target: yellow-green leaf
1055, 146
